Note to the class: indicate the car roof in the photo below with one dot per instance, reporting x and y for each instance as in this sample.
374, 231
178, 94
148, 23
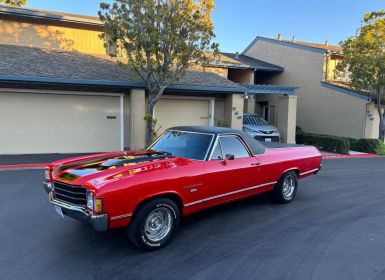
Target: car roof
255, 146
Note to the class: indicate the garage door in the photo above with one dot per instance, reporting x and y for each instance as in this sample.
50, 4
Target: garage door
48, 123
176, 112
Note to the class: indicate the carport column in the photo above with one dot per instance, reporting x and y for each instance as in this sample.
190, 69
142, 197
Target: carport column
234, 110
287, 117
137, 122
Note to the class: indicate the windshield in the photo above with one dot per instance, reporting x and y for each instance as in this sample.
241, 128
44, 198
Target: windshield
253, 119
183, 144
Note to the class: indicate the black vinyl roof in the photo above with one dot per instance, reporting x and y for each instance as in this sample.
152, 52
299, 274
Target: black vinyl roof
255, 146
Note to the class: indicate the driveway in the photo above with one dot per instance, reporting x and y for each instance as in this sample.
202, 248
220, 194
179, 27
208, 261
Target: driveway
335, 229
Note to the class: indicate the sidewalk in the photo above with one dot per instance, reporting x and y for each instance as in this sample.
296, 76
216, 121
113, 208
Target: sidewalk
352, 154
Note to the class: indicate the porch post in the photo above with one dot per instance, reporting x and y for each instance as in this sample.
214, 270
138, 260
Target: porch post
287, 117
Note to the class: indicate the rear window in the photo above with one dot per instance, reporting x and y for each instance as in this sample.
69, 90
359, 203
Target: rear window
253, 119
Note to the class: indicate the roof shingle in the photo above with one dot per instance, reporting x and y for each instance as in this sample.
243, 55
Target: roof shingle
19, 61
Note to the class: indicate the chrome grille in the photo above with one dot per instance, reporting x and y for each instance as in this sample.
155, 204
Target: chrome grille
70, 193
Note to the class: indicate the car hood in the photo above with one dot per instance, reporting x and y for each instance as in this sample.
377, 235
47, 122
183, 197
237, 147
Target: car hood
97, 171
263, 127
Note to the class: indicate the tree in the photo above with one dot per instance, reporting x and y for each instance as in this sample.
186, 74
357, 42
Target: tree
364, 57
161, 40
17, 3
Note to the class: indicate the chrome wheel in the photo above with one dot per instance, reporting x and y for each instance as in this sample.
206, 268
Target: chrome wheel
289, 187
158, 224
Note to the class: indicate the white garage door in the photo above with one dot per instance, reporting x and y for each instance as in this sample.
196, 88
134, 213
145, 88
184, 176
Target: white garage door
48, 123
177, 112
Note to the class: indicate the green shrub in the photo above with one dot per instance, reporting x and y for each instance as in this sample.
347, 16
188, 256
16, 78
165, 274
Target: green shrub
366, 145
328, 143
380, 149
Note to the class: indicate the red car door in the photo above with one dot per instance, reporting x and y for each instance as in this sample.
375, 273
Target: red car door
232, 172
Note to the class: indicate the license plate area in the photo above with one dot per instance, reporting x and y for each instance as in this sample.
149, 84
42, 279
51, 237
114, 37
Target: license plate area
267, 139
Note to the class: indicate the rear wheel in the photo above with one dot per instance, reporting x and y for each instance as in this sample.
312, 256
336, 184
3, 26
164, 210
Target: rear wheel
286, 188
154, 224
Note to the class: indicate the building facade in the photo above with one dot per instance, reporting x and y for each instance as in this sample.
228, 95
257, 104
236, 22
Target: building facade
324, 106
61, 93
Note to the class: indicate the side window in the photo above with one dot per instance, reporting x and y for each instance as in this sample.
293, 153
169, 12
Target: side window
232, 145
217, 154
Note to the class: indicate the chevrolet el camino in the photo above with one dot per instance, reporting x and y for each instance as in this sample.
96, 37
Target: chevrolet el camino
185, 170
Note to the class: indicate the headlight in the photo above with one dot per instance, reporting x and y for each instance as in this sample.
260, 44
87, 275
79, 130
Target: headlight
47, 174
90, 200
94, 203
249, 130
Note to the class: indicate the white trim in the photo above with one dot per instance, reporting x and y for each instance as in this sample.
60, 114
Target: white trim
229, 193
42, 91
122, 122
121, 216
307, 172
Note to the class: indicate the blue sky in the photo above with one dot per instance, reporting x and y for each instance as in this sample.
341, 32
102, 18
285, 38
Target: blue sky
238, 22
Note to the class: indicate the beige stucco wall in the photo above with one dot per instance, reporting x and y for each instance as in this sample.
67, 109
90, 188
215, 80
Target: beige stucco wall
372, 121
137, 124
320, 110
53, 37
233, 106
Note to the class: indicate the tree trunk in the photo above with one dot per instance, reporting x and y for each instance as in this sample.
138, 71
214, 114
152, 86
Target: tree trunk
381, 115
149, 124
153, 97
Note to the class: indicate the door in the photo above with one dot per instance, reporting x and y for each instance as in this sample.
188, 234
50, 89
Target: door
232, 172
59, 123
181, 112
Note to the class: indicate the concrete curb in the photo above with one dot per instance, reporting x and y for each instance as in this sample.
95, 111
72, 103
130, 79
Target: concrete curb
23, 166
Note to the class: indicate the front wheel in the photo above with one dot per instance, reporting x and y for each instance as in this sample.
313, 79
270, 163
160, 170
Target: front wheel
286, 188
154, 224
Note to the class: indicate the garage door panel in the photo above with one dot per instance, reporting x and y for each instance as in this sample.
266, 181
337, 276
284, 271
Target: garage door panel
47, 123
179, 112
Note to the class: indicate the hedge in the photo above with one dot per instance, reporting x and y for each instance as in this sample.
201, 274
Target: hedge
341, 145
328, 143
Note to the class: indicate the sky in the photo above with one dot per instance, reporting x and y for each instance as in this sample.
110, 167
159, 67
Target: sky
238, 22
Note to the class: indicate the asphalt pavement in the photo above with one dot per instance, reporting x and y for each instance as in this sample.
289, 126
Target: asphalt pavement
335, 229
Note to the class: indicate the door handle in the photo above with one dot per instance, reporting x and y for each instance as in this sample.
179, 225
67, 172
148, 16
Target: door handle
255, 164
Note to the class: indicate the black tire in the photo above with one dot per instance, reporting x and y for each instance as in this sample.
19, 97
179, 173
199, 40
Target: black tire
280, 194
154, 210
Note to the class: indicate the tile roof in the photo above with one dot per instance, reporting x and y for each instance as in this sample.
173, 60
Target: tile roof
20, 61
269, 89
244, 61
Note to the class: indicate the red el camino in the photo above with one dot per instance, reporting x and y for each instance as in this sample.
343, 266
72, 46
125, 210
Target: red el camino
185, 170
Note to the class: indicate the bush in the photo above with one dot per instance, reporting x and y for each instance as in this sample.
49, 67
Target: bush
365, 145
381, 149
328, 143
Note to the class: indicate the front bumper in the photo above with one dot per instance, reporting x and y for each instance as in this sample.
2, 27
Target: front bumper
98, 222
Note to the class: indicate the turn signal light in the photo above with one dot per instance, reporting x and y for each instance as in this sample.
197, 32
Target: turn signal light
98, 205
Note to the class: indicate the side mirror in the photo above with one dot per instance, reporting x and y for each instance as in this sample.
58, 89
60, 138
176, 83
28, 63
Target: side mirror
230, 157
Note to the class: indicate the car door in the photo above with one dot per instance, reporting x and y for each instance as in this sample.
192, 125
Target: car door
231, 172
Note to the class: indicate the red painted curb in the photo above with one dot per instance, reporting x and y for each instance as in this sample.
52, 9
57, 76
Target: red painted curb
24, 166
349, 156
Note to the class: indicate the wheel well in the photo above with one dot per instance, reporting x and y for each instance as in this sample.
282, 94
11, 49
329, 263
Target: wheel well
174, 197
296, 170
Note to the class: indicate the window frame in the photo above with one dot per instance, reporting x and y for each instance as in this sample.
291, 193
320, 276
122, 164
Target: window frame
217, 142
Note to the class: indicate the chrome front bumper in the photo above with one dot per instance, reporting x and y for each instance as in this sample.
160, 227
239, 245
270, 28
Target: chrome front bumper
98, 222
